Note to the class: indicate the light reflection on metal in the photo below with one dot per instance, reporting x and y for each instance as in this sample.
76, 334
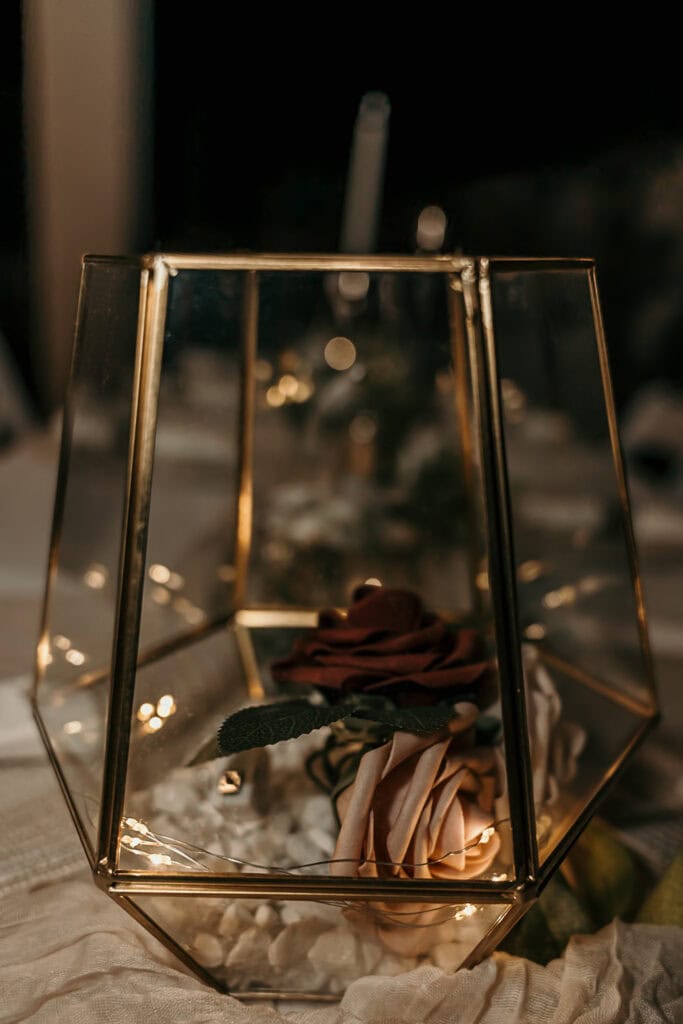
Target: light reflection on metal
467, 911
43, 656
75, 657
73, 728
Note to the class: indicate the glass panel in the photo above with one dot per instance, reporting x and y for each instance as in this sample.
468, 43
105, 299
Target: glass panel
72, 695
357, 469
179, 702
576, 600
577, 735
375, 521
575, 588
317, 948
190, 559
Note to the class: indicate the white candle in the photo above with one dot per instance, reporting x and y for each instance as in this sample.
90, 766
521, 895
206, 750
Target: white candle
366, 174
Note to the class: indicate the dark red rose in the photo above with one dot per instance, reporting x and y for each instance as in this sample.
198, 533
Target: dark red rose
387, 645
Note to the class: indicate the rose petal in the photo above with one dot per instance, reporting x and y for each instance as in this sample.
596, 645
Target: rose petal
354, 806
407, 800
399, 610
420, 848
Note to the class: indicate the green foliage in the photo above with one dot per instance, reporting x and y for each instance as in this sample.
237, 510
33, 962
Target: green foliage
600, 880
265, 724
664, 904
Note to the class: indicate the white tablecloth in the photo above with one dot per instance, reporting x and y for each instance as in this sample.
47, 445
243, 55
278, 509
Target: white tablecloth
67, 954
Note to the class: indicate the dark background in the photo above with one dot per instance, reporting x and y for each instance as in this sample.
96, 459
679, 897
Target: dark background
251, 148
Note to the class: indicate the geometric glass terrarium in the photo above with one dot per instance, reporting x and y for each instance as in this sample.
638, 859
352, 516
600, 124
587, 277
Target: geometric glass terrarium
344, 637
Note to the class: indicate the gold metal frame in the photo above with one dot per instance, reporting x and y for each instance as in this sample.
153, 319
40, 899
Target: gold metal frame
474, 348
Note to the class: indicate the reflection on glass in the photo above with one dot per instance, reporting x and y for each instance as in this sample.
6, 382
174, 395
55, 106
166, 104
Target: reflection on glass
584, 664
575, 588
190, 556
74, 655
357, 453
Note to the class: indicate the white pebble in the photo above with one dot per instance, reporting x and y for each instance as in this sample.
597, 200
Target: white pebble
324, 912
174, 798
294, 942
236, 919
248, 959
290, 913
280, 823
210, 817
299, 849
336, 953
266, 916
207, 949
318, 813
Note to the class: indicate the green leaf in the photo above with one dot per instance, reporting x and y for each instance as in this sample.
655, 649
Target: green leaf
414, 719
545, 929
264, 724
270, 723
664, 904
609, 880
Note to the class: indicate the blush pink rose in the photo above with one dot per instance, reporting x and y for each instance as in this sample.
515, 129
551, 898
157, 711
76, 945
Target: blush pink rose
419, 806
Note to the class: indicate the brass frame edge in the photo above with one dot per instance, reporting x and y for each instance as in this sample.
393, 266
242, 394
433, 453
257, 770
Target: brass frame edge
502, 573
301, 887
464, 414
599, 686
147, 922
506, 921
83, 836
60, 485
622, 486
337, 262
245, 470
151, 324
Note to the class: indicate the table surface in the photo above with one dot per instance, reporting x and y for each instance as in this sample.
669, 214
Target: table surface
68, 954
